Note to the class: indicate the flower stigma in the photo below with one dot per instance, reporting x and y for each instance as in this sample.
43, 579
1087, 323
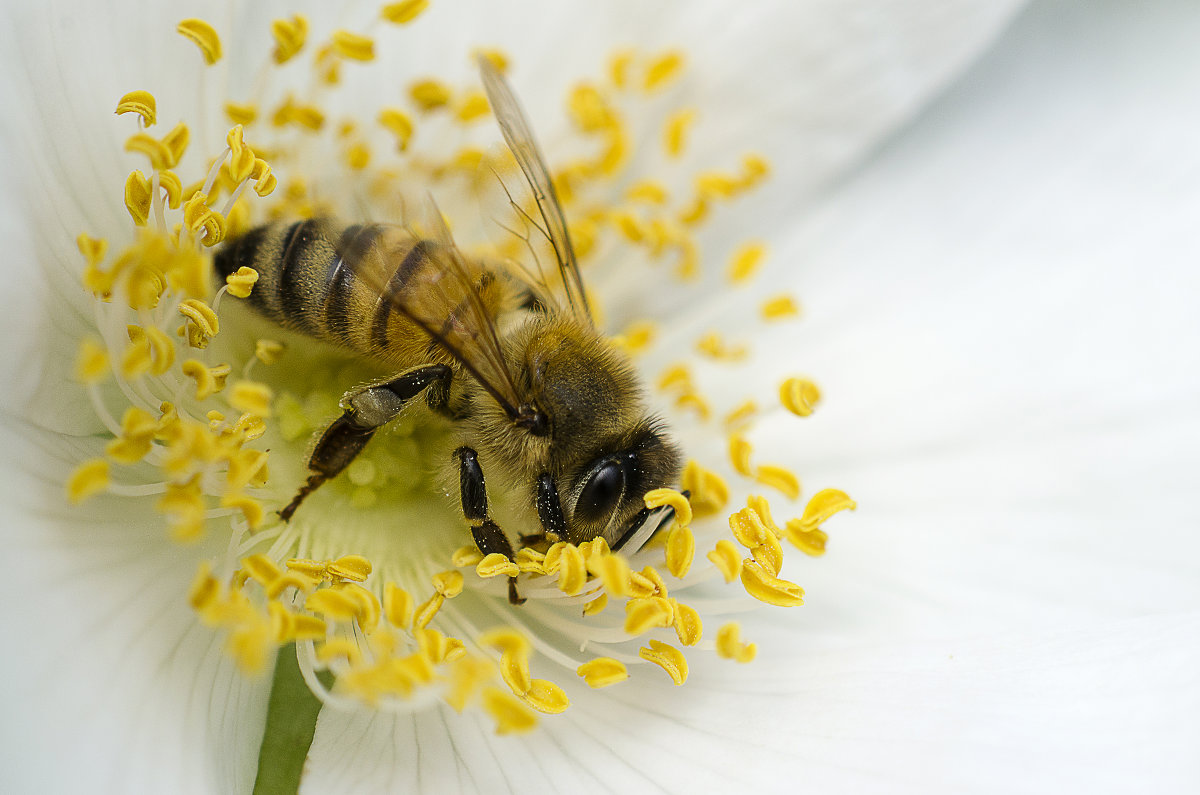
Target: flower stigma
211, 411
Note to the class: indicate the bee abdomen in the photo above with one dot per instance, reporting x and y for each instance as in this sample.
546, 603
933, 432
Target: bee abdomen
307, 277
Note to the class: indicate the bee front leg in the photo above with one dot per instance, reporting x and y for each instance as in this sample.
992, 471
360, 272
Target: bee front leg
487, 534
364, 411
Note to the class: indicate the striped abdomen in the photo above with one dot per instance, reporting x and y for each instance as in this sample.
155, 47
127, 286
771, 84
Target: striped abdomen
327, 281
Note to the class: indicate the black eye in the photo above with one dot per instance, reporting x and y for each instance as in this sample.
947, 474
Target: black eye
602, 491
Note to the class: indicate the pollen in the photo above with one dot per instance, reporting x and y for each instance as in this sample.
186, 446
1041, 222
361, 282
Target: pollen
730, 645
663, 70
251, 397
681, 547
727, 559
766, 587
429, 94
510, 714
241, 282
709, 492
496, 564
572, 570
675, 133
688, 626
203, 36
667, 657
799, 396
448, 583
397, 606
644, 614
139, 102
739, 454
404, 12
780, 478
398, 124
656, 498
91, 365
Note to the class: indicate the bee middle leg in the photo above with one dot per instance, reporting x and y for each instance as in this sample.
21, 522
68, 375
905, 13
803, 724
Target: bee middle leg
487, 534
364, 411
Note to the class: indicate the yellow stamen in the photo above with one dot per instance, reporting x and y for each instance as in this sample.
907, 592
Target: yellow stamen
546, 697
730, 645
572, 570
209, 380
662, 70
597, 605
746, 261
602, 672
688, 626
333, 604
709, 492
779, 308
354, 568
514, 670
241, 282
268, 351
667, 657
399, 124
428, 610
496, 564
243, 113
203, 36
353, 46
739, 454
766, 587
429, 94
251, 397
511, 716
397, 606
676, 131
466, 556
799, 396
91, 365
471, 106
740, 417
251, 508
656, 498
681, 547
726, 558
89, 479
139, 102
448, 583
642, 615
138, 197
777, 477
289, 35
404, 12
506, 639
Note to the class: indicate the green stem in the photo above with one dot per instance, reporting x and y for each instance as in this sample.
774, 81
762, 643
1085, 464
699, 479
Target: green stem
291, 721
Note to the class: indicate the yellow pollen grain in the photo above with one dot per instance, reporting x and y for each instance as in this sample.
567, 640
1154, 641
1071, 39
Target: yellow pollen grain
514, 670
730, 645
510, 714
739, 454
398, 123
138, 197
403, 12
799, 396
354, 46
681, 547
644, 614
397, 606
354, 568
203, 36
427, 611
546, 697
139, 102
779, 478
597, 605
779, 307
91, 364
662, 70
251, 397
766, 587
289, 35
656, 498
675, 132
448, 583
429, 94
688, 626
727, 559
496, 564
89, 479
268, 351
667, 657
572, 570
745, 262
242, 282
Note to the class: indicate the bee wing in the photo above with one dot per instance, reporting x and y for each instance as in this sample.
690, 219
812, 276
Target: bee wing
434, 286
522, 144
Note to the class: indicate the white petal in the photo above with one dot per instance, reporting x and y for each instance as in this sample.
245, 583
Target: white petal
113, 682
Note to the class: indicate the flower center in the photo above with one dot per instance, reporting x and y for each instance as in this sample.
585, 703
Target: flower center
375, 578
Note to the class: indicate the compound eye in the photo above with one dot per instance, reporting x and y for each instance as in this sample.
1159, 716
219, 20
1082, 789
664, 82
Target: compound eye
602, 491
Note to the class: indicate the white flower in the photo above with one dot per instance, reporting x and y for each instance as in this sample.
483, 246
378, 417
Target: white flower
998, 305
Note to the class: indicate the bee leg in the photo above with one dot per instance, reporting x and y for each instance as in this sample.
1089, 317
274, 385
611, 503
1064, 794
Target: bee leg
550, 512
487, 534
364, 411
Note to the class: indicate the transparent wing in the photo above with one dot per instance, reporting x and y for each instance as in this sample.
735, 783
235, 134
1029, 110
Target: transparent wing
428, 281
520, 140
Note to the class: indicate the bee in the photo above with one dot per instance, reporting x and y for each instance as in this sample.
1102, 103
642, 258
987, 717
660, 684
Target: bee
536, 394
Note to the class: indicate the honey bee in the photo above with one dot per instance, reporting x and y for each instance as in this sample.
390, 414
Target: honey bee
536, 394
